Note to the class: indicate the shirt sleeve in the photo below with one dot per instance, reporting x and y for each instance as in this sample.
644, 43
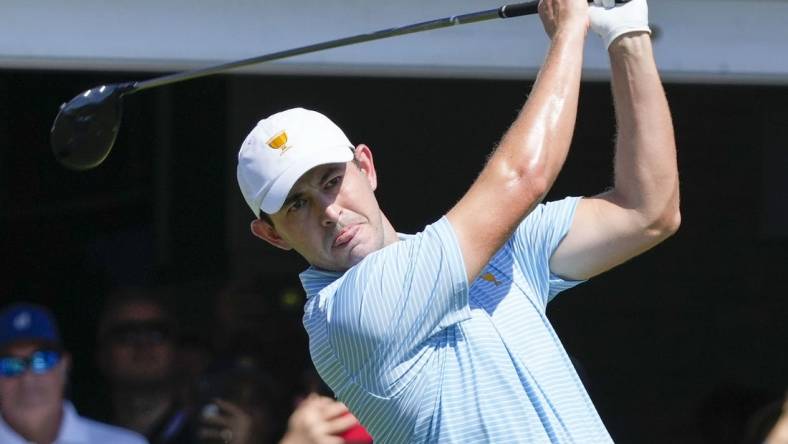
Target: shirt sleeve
392, 302
535, 241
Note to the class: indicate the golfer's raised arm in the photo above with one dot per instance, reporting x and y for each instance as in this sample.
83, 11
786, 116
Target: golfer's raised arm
525, 164
642, 208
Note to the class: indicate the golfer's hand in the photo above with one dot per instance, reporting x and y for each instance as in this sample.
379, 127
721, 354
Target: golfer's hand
560, 14
230, 424
611, 20
318, 420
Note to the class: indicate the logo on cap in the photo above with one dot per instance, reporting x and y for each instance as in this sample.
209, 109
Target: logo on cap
22, 321
279, 141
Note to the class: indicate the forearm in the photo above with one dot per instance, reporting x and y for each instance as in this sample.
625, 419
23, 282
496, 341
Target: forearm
642, 209
646, 174
537, 143
531, 153
528, 158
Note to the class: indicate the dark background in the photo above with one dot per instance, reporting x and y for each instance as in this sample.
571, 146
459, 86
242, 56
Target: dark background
678, 345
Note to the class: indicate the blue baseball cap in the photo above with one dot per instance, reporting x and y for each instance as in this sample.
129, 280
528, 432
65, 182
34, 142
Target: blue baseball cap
27, 322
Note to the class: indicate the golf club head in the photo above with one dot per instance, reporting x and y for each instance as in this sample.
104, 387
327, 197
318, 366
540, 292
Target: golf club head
86, 127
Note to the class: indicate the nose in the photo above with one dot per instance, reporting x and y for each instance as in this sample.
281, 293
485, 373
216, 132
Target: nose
28, 377
331, 213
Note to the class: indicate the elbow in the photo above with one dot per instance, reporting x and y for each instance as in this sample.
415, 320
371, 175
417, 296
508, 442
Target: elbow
665, 225
675, 222
671, 223
530, 182
533, 185
536, 186
671, 217
659, 218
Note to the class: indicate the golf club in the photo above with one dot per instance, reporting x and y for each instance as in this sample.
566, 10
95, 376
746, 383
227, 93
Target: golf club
85, 128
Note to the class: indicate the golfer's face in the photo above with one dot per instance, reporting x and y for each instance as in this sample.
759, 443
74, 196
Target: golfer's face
331, 216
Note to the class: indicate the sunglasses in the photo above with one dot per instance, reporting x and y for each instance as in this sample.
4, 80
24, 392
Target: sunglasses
140, 332
39, 362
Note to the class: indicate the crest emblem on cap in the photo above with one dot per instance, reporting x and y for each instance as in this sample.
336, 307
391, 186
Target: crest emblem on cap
279, 141
22, 321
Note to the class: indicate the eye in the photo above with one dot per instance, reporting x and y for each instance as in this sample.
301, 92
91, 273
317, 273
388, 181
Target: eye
296, 205
333, 182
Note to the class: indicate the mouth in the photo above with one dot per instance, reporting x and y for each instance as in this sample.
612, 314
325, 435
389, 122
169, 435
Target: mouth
345, 235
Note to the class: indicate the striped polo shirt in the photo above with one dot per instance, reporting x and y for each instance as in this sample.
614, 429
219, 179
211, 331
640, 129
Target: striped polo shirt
421, 356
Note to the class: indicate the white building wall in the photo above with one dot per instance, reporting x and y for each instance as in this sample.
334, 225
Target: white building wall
700, 40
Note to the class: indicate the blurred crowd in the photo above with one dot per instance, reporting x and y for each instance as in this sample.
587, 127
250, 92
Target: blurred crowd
226, 381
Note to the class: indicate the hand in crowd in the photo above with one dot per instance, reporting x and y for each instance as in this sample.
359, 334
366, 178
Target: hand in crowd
318, 420
226, 423
779, 433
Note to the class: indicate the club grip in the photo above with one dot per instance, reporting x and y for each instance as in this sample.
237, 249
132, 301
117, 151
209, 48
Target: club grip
526, 8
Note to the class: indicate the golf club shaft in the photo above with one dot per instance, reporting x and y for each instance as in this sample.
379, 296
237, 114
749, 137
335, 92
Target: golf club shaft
506, 11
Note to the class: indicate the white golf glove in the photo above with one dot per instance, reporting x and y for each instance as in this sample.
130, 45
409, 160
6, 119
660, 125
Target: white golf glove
611, 21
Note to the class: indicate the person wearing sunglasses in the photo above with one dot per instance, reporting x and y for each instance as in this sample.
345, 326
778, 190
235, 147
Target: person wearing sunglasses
33, 373
137, 355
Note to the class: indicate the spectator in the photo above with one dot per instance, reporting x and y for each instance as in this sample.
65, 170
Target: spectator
779, 433
252, 315
240, 403
320, 419
33, 373
194, 356
137, 355
769, 425
723, 413
241, 406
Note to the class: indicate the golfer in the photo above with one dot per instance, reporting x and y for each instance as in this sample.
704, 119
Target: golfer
441, 336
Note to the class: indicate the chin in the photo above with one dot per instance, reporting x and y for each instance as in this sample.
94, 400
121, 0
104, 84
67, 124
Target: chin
344, 265
358, 253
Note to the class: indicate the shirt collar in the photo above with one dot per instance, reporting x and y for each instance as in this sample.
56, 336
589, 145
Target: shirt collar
72, 430
314, 279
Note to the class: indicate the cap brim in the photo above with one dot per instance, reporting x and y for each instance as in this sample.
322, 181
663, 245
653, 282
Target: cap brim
280, 188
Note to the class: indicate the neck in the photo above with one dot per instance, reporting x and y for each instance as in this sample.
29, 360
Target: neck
389, 233
40, 426
141, 410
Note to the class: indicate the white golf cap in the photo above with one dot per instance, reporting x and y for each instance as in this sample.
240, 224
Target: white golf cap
280, 149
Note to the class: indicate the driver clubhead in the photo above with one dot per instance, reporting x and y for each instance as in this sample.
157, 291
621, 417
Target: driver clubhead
86, 127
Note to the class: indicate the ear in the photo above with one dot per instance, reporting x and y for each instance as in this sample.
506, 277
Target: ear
268, 233
366, 164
